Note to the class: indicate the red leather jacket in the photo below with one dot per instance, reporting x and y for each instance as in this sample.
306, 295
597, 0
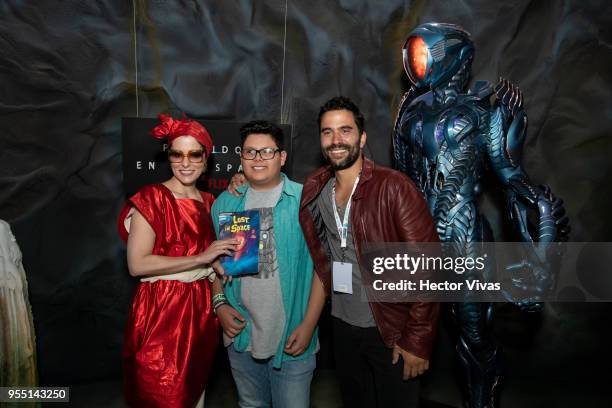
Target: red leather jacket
387, 207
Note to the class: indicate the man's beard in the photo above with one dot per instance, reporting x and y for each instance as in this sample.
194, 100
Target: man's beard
353, 154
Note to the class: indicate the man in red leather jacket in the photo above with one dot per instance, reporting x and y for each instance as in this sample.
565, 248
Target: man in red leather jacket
344, 205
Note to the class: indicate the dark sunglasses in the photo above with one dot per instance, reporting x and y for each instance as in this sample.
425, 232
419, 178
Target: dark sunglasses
194, 156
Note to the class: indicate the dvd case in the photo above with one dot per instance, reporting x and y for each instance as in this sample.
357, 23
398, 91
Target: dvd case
244, 226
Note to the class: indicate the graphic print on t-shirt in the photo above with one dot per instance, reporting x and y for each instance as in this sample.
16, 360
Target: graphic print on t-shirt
268, 266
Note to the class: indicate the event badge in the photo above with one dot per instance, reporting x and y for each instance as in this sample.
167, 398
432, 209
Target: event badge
343, 277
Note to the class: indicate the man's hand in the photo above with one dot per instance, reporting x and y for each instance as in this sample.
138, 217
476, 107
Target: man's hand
231, 321
299, 340
220, 271
237, 180
413, 365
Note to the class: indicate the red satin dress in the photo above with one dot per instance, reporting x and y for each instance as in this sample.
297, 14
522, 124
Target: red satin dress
171, 333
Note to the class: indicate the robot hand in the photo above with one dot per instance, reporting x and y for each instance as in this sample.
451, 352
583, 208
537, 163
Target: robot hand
534, 280
535, 276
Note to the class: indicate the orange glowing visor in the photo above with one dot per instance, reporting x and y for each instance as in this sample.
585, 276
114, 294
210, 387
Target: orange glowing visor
416, 55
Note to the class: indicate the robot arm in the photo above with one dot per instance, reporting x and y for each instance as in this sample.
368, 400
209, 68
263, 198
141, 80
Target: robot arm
507, 131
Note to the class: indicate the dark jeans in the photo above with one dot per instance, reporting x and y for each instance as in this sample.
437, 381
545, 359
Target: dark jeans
367, 377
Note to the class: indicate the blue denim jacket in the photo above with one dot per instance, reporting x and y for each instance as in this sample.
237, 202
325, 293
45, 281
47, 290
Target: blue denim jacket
294, 264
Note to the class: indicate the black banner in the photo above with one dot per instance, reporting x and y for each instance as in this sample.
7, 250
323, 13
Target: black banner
145, 160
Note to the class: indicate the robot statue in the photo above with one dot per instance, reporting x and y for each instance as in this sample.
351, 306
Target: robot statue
445, 137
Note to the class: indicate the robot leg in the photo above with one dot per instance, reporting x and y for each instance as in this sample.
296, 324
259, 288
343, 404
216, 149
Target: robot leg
478, 354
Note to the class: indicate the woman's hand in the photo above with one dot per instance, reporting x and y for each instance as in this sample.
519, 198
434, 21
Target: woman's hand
216, 249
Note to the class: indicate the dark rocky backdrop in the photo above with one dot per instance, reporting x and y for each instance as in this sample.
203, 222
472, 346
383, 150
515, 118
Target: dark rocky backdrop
70, 70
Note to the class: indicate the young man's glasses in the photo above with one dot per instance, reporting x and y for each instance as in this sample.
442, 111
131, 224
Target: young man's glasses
194, 156
266, 153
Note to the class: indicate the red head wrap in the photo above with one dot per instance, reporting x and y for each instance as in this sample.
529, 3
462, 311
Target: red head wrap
172, 128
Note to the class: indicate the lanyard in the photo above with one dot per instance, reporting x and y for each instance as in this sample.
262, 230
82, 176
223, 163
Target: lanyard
343, 225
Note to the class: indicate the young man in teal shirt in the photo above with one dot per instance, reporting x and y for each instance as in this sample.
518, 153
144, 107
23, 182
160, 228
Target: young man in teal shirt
269, 325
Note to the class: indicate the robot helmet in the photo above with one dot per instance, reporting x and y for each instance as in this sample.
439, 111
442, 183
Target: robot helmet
434, 52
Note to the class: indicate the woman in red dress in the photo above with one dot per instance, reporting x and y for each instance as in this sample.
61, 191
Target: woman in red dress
172, 332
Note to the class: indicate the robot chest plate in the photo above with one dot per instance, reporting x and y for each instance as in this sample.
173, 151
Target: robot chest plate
436, 131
